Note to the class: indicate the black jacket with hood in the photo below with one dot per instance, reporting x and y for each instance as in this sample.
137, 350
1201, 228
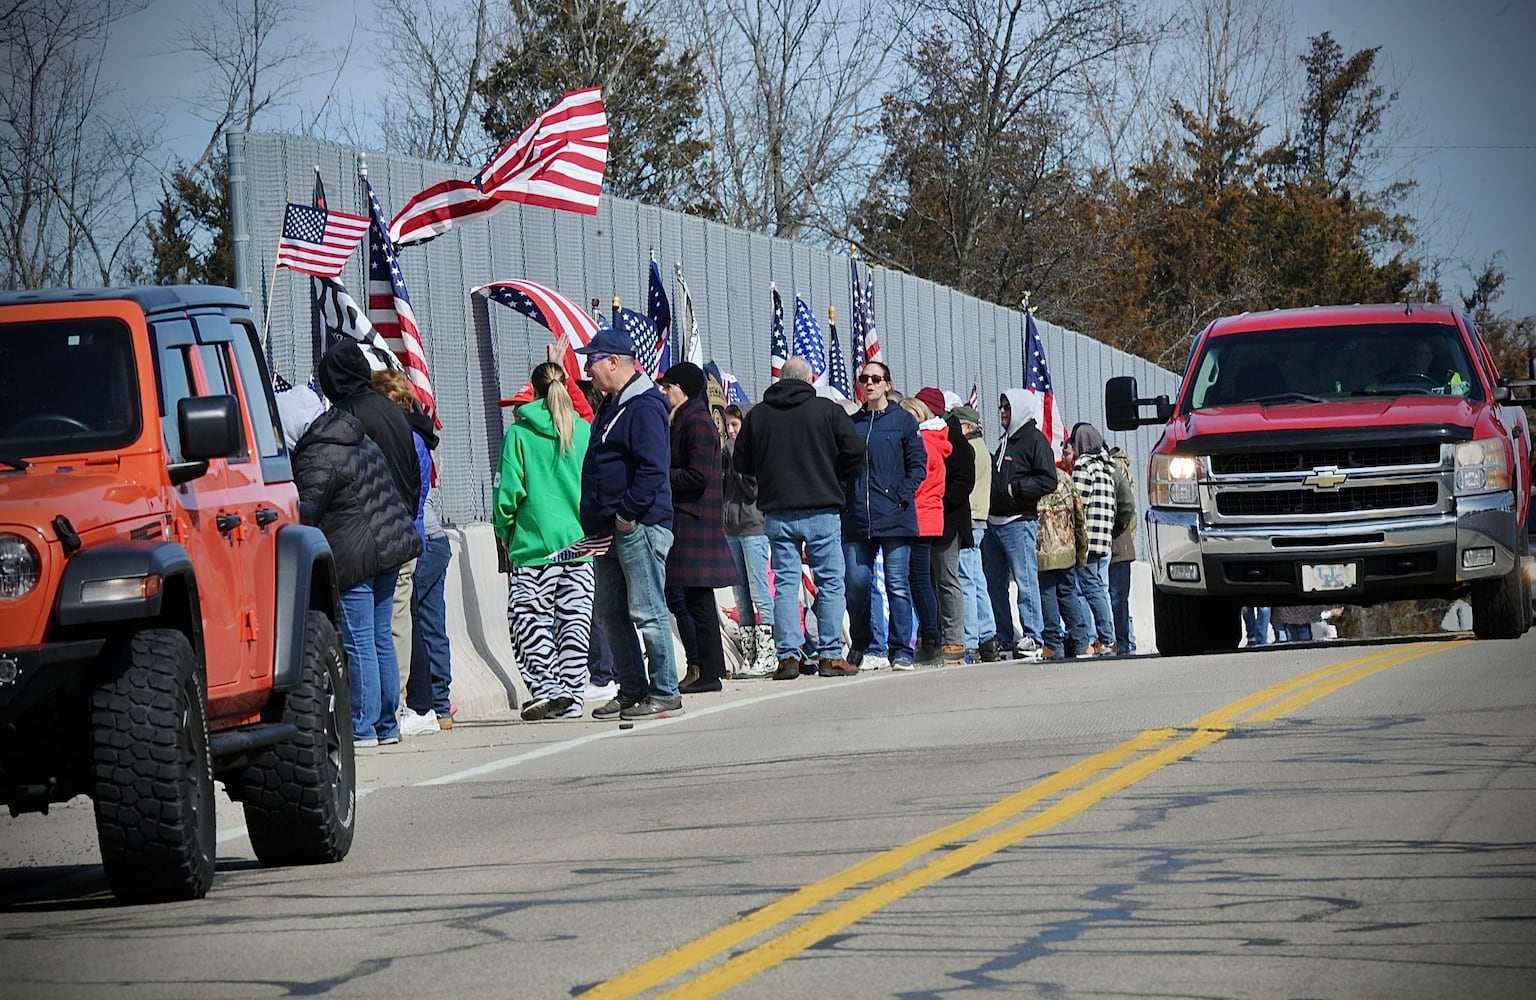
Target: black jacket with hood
347, 382
801, 448
346, 484
1024, 466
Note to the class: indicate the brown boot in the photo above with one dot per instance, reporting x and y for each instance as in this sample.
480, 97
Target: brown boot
788, 670
827, 667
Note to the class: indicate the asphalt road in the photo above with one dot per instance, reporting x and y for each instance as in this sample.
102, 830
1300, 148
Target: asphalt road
1335, 820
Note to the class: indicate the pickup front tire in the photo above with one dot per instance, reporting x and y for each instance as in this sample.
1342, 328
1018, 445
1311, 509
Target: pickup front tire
1187, 626
1501, 607
301, 796
151, 769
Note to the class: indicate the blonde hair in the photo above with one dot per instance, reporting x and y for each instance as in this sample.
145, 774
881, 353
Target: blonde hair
394, 386
548, 381
916, 407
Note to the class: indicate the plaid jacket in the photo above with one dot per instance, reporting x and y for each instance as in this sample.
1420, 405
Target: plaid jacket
1095, 480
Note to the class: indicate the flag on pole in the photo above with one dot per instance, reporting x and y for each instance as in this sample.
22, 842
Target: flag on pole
582, 548
974, 399
572, 326
808, 342
643, 334
693, 348
660, 312
837, 372
872, 349
341, 316
318, 241
556, 162
389, 307
778, 345
1037, 379
858, 337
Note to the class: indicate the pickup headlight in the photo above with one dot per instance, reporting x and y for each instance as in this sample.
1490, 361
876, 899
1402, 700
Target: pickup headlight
1174, 480
1482, 466
19, 566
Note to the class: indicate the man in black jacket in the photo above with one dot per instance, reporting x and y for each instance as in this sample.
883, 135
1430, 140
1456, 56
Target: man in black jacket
802, 448
1023, 471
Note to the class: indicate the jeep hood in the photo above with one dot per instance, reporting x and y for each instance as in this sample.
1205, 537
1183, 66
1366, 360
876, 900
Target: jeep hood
89, 498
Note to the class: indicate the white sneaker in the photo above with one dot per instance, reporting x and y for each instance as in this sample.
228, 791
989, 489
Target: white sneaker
1028, 650
872, 662
412, 724
600, 694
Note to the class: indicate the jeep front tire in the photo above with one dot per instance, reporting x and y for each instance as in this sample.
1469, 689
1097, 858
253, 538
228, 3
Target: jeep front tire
151, 769
301, 796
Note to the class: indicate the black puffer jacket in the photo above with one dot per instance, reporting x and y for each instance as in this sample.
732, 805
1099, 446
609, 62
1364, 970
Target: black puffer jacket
346, 485
347, 382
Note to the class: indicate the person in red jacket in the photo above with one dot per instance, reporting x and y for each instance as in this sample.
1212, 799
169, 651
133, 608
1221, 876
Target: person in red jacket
930, 526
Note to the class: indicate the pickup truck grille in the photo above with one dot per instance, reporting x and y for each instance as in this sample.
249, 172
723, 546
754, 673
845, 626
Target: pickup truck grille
1289, 502
1304, 460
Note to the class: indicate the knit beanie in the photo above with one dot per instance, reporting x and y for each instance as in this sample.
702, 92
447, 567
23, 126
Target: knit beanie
933, 399
687, 376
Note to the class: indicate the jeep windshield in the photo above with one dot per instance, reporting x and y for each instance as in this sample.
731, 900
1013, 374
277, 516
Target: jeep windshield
66, 387
1331, 363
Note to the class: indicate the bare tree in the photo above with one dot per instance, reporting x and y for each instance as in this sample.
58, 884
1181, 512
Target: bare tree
791, 102
68, 162
436, 55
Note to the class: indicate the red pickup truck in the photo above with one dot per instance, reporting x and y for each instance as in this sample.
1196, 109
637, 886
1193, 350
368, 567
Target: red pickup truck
1351, 454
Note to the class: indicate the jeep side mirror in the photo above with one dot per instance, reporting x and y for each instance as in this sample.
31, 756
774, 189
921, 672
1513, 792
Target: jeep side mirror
1122, 407
210, 428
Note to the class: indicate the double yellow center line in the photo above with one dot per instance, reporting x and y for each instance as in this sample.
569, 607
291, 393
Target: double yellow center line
1079, 787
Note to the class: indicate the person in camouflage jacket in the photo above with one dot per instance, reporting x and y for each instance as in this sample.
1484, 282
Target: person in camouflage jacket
1062, 545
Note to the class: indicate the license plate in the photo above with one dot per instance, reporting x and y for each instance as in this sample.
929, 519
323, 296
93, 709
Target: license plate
1327, 576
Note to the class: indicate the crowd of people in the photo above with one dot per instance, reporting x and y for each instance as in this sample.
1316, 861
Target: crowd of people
855, 536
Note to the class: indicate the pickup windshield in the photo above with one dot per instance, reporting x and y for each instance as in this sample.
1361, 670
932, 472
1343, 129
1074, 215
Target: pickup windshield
1317, 364
66, 387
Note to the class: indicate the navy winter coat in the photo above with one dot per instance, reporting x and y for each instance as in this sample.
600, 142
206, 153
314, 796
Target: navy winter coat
625, 472
882, 497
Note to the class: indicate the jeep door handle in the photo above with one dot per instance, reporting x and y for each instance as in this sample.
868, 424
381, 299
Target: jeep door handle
265, 516
227, 523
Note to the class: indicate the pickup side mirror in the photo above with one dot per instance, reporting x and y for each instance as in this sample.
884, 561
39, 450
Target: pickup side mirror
1122, 406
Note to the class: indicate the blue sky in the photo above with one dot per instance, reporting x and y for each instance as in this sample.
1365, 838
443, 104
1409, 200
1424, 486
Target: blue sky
1466, 100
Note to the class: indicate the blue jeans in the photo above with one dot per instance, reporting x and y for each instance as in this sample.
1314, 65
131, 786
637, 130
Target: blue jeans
1093, 581
365, 634
818, 532
630, 597
1017, 540
980, 625
859, 555
1120, 601
426, 689
754, 598
925, 600
1256, 625
1060, 603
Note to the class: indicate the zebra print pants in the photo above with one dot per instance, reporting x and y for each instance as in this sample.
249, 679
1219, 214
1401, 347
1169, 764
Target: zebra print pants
549, 616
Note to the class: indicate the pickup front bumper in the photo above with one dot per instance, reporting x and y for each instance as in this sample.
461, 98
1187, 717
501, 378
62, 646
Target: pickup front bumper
1393, 557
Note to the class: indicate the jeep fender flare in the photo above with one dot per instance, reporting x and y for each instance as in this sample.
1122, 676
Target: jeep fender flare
126, 561
306, 581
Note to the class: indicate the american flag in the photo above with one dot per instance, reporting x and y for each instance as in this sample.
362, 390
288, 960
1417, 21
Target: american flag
693, 348
808, 343
857, 338
660, 312
1037, 379
582, 549
974, 399
318, 241
872, 349
389, 308
556, 162
778, 345
572, 326
837, 372
642, 333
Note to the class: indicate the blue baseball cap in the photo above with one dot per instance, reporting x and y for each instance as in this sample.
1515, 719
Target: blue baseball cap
607, 340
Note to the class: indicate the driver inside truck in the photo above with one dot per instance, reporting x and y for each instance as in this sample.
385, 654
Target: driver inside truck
1418, 366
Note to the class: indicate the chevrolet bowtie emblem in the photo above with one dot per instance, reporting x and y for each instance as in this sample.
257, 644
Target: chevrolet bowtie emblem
1326, 479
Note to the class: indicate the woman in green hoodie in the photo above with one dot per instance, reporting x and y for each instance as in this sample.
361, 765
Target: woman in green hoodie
549, 605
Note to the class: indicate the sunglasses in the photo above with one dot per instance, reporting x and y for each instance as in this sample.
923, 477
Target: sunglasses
593, 359
870, 379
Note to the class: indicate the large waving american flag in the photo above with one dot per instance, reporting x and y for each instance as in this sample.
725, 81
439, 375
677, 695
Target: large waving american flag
318, 241
572, 326
1037, 379
556, 162
389, 307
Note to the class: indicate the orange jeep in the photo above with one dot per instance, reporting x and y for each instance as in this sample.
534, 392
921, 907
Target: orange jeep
165, 618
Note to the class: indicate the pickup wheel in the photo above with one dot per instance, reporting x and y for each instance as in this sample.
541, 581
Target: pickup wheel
1186, 626
151, 769
301, 796
1501, 607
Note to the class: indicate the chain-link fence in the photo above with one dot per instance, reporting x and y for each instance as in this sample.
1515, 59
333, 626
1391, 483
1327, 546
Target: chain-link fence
479, 352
